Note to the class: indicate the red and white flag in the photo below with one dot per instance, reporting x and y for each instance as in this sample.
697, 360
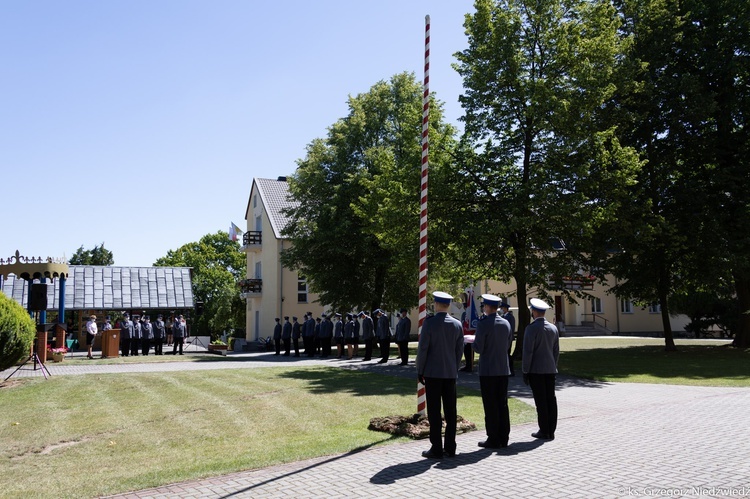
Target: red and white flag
234, 231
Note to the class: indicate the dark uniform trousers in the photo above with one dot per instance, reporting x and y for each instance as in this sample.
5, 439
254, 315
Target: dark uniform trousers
495, 401
325, 344
125, 346
403, 351
385, 349
543, 388
295, 341
443, 390
368, 348
287, 345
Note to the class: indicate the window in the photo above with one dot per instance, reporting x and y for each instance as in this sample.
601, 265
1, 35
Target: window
255, 201
596, 305
654, 308
626, 306
258, 274
301, 289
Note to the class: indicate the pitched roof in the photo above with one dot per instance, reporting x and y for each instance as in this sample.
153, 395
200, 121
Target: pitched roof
113, 288
275, 196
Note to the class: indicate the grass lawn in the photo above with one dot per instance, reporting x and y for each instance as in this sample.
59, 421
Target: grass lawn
643, 360
90, 435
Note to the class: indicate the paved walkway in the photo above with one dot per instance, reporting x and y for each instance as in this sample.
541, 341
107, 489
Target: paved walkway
613, 440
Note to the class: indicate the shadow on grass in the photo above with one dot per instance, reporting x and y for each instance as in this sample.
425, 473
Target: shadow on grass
336, 380
693, 362
308, 468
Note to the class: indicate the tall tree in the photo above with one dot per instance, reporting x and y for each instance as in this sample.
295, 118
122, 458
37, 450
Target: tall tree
97, 256
685, 109
540, 169
217, 265
355, 232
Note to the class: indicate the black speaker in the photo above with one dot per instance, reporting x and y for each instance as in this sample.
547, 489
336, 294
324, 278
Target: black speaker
199, 308
38, 297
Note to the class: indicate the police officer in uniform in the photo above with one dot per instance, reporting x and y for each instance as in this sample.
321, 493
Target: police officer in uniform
286, 336
338, 334
179, 332
368, 334
541, 351
403, 329
326, 333
277, 336
349, 335
126, 331
135, 337
491, 342
147, 334
296, 333
441, 345
308, 334
383, 332
160, 332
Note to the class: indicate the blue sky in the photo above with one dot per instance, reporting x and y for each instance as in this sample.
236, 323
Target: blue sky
141, 124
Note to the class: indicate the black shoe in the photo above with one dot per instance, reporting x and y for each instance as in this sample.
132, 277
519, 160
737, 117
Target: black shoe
404, 364
542, 436
466, 370
492, 445
382, 361
449, 454
366, 359
431, 455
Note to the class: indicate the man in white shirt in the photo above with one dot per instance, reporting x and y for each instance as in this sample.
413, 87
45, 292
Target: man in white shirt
91, 332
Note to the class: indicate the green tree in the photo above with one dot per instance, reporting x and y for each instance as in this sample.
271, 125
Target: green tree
97, 256
685, 109
16, 332
355, 231
217, 265
540, 169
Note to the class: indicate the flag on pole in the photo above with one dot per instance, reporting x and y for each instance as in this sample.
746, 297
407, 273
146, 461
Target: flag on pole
471, 318
234, 231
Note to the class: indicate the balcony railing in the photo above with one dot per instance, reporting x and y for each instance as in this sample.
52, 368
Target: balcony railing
250, 287
577, 281
251, 238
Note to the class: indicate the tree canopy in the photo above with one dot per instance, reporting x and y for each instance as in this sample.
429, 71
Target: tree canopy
355, 232
217, 265
540, 170
97, 256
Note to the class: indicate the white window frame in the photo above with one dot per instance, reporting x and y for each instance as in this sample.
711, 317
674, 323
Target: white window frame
654, 308
626, 306
302, 290
596, 305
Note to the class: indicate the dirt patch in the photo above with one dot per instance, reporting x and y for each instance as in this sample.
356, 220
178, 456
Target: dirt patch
414, 426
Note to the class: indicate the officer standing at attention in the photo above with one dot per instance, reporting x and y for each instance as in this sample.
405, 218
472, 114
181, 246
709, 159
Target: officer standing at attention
541, 351
179, 331
441, 346
126, 331
277, 336
160, 332
508, 316
338, 334
135, 336
296, 332
286, 336
403, 329
491, 342
147, 334
326, 333
368, 334
383, 332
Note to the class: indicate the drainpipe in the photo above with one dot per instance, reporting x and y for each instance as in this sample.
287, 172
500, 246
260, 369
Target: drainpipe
281, 284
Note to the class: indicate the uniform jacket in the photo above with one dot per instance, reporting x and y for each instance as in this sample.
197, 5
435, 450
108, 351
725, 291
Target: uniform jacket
384, 328
511, 320
441, 346
338, 330
349, 329
286, 331
309, 328
541, 348
296, 330
492, 341
147, 331
356, 328
136, 332
403, 329
368, 328
126, 329
178, 329
277, 331
159, 331
326, 328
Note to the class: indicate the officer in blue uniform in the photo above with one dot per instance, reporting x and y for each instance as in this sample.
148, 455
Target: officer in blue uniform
491, 342
368, 334
541, 351
286, 336
277, 336
441, 345
296, 333
508, 316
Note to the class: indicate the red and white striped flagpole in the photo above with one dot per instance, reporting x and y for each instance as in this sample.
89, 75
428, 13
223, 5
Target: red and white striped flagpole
421, 399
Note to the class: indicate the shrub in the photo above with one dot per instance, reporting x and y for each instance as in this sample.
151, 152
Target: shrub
17, 331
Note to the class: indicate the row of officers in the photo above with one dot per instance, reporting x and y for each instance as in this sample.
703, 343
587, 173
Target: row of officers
319, 335
141, 335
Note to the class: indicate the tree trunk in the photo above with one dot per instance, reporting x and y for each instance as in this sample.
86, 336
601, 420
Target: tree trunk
742, 288
523, 311
669, 345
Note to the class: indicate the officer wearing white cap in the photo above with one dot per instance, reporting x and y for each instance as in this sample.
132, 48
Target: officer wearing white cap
541, 351
492, 341
441, 346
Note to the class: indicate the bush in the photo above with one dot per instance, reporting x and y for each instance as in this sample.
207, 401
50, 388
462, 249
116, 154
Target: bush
17, 332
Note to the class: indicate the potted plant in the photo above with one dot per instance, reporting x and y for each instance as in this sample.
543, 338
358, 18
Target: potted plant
58, 354
218, 346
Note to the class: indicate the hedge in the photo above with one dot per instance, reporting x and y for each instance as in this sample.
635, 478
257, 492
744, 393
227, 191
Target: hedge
17, 332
